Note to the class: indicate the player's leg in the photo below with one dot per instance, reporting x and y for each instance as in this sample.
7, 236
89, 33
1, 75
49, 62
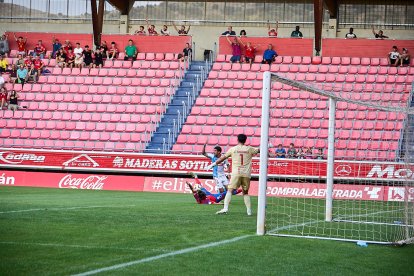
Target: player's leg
219, 184
234, 183
245, 183
195, 178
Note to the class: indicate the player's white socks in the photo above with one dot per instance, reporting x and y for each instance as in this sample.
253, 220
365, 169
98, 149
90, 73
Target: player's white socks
227, 200
248, 204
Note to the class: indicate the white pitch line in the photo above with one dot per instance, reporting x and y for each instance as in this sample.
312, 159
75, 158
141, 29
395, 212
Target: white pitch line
63, 209
170, 254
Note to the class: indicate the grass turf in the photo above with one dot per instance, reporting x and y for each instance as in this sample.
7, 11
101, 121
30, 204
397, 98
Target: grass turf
62, 232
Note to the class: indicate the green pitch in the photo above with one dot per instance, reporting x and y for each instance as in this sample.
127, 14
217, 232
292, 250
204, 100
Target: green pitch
64, 232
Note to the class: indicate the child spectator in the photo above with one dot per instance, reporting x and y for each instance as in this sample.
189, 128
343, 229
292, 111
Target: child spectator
249, 52
394, 56
3, 98
229, 31
243, 33
269, 55
39, 50
3, 64
56, 45
351, 34
291, 152
141, 31
307, 153
405, 57
183, 30
296, 33
61, 58
87, 56
70, 58
98, 58
21, 44
319, 154
164, 30
13, 105
280, 152
21, 74
4, 45
236, 49
113, 51
272, 32
379, 35
130, 51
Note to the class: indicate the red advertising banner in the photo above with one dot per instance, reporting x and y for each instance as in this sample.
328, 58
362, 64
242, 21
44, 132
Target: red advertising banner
170, 164
178, 185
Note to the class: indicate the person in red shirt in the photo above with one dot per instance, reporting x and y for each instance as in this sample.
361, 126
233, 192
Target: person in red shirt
21, 45
151, 29
70, 58
113, 51
28, 62
249, 52
141, 31
66, 46
39, 50
38, 67
272, 32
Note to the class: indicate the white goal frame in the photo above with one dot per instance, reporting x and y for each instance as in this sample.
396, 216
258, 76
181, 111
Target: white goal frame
264, 147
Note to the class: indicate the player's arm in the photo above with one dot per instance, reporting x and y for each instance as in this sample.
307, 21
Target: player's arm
219, 161
190, 186
203, 151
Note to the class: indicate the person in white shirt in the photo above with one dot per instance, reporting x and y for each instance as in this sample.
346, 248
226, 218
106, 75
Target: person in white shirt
78, 49
394, 56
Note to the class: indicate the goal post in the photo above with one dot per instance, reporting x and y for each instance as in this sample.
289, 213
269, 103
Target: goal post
363, 189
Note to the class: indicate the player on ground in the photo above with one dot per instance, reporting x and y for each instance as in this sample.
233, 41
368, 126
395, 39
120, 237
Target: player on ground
202, 196
219, 174
241, 156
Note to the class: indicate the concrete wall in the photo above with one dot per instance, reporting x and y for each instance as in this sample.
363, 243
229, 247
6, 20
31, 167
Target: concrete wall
204, 36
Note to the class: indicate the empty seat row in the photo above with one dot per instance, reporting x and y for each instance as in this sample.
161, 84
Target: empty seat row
116, 81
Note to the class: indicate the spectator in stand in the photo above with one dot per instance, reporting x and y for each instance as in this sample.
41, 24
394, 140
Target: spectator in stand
3, 97
66, 46
187, 53
22, 74
379, 35
269, 55
291, 152
56, 45
61, 58
351, 34
113, 51
280, 152
78, 49
270, 31
104, 45
183, 30
141, 31
229, 31
249, 52
39, 50
87, 56
301, 153
3, 64
20, 60
307, 153
70, 58
405, 57
38, 66
4, 45
296, 33
28, 62
98, 58
32, 73
78, 60
164, 30
2, 81
13, 104
319, 155
236, 49
394, 56
243, 33
13, 73
130, 51
21, 44
151, 29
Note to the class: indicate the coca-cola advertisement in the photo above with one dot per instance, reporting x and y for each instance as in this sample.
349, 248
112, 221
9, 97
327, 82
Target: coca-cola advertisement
101, 162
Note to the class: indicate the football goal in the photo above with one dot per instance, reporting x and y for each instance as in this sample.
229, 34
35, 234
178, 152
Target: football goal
340, 163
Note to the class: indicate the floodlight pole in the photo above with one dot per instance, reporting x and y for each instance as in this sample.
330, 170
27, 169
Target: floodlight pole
331, 157
264, 140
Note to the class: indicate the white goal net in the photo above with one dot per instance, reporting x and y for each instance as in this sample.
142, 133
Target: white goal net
340, 163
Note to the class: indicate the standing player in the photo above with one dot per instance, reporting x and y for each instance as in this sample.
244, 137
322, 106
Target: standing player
219, 174
241, 156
